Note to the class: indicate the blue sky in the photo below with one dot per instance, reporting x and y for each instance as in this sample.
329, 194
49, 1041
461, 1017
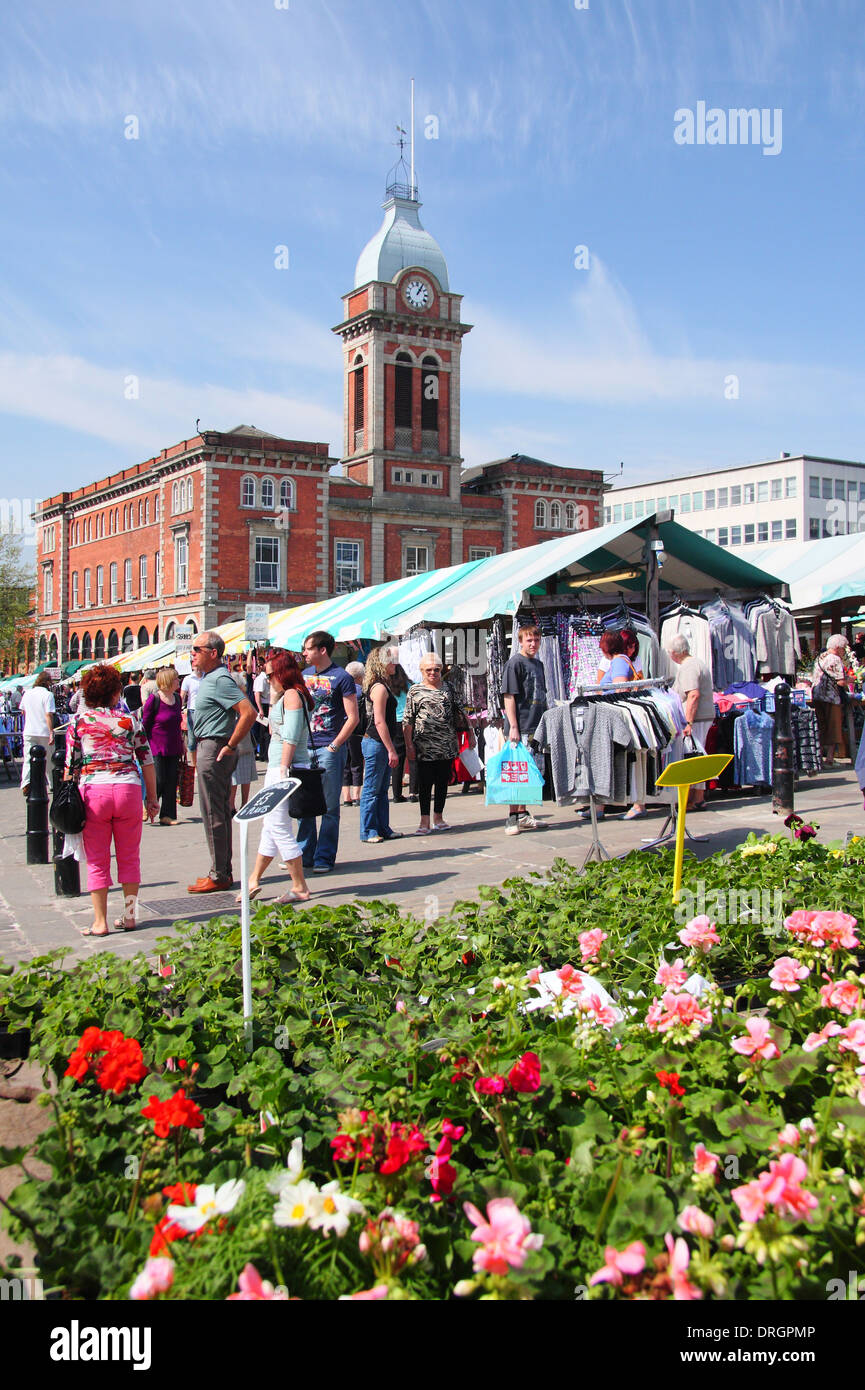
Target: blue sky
262, 126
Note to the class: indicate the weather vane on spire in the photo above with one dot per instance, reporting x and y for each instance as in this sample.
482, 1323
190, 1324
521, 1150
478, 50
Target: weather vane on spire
401, 180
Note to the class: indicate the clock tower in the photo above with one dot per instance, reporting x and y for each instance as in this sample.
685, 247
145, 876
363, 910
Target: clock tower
402, 335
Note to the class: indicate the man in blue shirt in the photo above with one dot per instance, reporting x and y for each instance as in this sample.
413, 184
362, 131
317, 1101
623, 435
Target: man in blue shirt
220, 721
333, 720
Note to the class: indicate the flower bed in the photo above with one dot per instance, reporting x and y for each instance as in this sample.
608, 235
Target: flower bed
533, 1096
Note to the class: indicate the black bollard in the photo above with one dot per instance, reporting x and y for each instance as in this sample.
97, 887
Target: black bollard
37, 808
782, 760
67, 875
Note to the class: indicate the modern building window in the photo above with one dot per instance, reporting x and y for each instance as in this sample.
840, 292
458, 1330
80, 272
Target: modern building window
814, 528
777, 489
697, 500
608, 512
142, 576
113, 581
416, 560
826, 528
723, 497
763, 532
709, 496
480, 552
286, 493
735, 498
674, 501
723, 535
556, 516
627, 511
685, 502
777, 531
790, 489
181, 564
266, 562
638, 511
650, 505
127, 580
347, 572
571, 516
749, 533
541, 514
813, 486
617, 512
851, 491
763, 492
827, 489
711, 534
86, 588
840, 490
247, 491
735, 535
267, 494
748, 494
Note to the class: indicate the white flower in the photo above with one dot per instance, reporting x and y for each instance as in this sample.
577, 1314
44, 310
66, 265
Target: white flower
291, 1174
297, 1203
209, 1201
333, 1210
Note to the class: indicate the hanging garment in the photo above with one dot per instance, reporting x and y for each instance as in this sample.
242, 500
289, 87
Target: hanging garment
692, 626
552, 664
582, 739
752, 747
807, 754
734, 655
776, 637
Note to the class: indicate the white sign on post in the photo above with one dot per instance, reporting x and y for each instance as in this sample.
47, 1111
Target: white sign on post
182, 649
256, 622
256, 807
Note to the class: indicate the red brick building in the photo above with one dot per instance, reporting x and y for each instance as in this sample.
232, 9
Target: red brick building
225, 519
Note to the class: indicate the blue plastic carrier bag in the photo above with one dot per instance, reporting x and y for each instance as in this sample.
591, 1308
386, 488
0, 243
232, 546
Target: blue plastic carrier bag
513, 778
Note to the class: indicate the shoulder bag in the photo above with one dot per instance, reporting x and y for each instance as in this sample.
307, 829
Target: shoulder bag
308, 799
826, 688
68, 811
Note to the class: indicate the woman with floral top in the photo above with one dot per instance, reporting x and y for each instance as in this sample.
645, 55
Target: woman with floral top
107, 747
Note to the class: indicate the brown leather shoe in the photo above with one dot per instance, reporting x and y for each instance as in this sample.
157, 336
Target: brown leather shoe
210, 885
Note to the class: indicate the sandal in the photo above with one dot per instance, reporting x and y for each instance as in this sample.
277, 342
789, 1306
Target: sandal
120, 924
293, 897
424, 830
633, 815
253, 894
91, 932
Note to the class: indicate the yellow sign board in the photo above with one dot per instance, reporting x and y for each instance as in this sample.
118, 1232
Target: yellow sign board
683, 775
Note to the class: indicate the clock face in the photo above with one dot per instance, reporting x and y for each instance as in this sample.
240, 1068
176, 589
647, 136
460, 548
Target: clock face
417, 294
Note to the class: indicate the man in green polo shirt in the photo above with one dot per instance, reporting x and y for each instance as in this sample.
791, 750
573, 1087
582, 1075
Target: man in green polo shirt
219, 723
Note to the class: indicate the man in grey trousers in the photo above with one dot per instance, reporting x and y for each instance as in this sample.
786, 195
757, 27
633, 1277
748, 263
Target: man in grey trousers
219, 723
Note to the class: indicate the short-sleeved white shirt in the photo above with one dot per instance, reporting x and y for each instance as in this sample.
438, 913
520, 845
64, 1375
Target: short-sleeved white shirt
37, 704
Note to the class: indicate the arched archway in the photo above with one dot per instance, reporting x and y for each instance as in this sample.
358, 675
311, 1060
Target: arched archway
155, 635
73, 647
113, 643
128, 640
53, 649
43, 648
169, 632
143, 639
86, 647
99, 646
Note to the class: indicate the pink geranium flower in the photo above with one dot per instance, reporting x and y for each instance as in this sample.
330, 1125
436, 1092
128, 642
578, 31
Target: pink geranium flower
700, 934
253, 1289
505, 1236
757, 1041
373, 1295
671, 976
705, 1162
680, 1011
680, 1257
843, 995
156, 1277
602, 1014
852, 1038
697, 1222
781, 1187
490, 1085
786, 974
835, 930
815, 1040
788, 1137
572, 980
590, 943
631, 1260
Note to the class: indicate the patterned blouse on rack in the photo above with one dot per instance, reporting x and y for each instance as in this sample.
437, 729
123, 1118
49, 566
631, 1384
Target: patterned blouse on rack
107, 745
432, 714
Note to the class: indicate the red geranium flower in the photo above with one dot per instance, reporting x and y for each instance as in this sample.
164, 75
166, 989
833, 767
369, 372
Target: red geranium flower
670, 1082
176, 1113
525, 1075
116, 1061
490, 1085
183, 1194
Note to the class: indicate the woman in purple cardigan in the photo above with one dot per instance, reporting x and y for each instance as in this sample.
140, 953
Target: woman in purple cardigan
161, 719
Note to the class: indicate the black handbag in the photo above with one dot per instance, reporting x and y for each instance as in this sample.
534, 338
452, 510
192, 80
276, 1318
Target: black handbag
68, 812
308, 799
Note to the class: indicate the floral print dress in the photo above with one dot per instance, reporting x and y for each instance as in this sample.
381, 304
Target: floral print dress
107, 745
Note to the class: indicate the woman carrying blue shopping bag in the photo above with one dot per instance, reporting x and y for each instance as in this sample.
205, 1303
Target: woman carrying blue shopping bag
524, 696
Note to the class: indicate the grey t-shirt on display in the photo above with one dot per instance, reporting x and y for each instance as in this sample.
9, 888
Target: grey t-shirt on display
523, 677
692, 674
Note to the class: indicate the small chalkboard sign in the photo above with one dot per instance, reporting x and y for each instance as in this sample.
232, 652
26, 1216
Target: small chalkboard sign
267, 800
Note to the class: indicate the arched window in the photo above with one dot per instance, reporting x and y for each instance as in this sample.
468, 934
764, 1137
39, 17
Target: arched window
99, 646
128, 640
156, 507
267, 494
43, 648
541, 514
169, 632
175, 499
143, 639
570, 516
286, 493
116, 520
429, 400
147, 511
73, 647
192, 624
359, 402
75, 590
52, 649
189, 494
155, 635
247, 491
86, 647
555, 516
402, 391
113, 643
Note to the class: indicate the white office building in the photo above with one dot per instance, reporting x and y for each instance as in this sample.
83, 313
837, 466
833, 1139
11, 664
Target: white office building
786, 499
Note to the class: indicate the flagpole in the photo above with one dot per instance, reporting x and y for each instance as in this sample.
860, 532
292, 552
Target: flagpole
412, 138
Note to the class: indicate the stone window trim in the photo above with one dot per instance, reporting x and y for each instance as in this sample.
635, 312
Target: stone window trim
265, 528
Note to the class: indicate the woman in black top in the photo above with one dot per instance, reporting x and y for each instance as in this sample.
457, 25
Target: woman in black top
378, 747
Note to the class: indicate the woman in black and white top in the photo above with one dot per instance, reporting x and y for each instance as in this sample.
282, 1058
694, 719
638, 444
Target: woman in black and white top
433, 716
